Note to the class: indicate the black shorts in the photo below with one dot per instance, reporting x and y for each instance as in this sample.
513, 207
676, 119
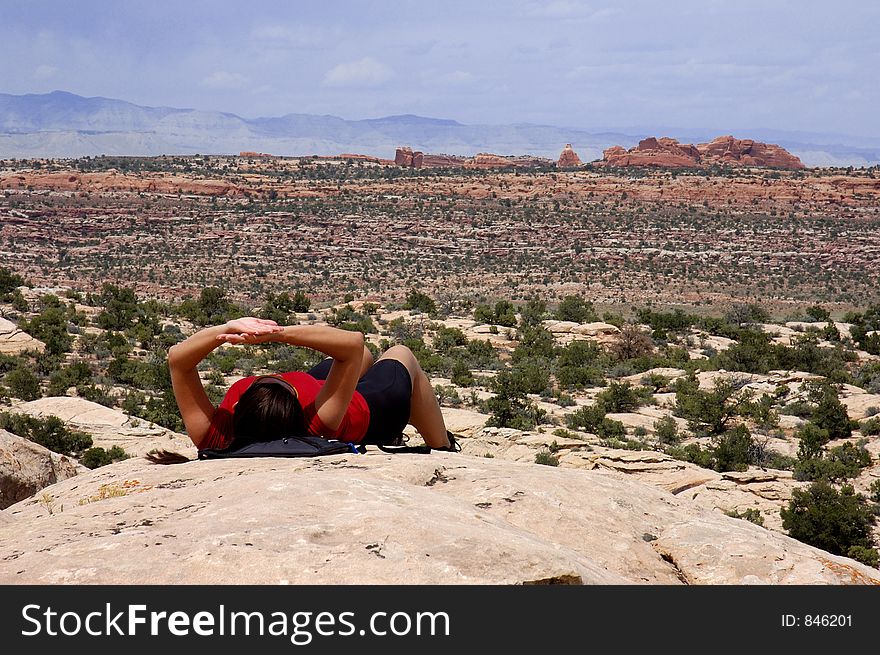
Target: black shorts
387, 388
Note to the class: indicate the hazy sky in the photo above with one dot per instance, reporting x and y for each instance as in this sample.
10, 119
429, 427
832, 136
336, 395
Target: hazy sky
801, 65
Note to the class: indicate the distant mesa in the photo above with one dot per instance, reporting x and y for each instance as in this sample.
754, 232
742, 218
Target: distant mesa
724, 150
248, 153
409, 158
568, 158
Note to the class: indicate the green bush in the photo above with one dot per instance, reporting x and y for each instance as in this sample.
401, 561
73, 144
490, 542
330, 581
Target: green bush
707, 412
9, 282
510, 407
830, 414
666, 431
733, 450
620, 397
23, 384
835, 521
752, 515
96, 457
49, 432
120, 308
870, 428
422, 302
50, 327
546, 458
576, 309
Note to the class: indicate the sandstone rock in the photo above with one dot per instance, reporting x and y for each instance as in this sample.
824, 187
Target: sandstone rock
27, 467
858, 405
666, 372
361, 519
746, 152
405, 156
724, 150
595, 329
568, 158
108, 427
13, 341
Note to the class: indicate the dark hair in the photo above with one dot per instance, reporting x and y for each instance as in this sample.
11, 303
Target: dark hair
267, 411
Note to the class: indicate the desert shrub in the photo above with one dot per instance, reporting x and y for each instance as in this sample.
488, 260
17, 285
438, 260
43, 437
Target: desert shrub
631, 343
752, 515
510, 407
534, 342
153, 374
72, 375
211, 308
693, 453
620, 397
279, 307
347, 318
546, 458
666, 431
120, 308
22, 383
162, 410
870, 428
610, 429
586, 418
421, 302
50, 327
799, 408
760, 411
461, 374
9, 282
739, 314
49, 432
664, 322
578, 365
707, 412
829, 413
874, 490
446, 339
97, 456
811, 441
836, 521
503, 313
753, 353
576, 309
733, 450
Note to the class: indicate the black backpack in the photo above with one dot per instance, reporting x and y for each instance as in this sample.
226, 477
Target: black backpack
304, 446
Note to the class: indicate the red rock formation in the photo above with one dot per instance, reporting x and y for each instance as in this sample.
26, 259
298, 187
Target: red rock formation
725, 151
568, 158
405, 156
248, 153
746, 152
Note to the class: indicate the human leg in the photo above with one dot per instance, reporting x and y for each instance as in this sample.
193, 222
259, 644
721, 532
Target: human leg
425, 415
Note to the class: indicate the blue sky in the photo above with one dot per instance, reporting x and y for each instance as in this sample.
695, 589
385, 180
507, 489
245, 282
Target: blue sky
807, 65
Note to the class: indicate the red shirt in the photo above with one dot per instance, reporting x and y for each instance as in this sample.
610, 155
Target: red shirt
352, 429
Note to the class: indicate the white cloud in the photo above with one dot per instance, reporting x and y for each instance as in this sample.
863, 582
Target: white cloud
363, 72
44, 71
225, 80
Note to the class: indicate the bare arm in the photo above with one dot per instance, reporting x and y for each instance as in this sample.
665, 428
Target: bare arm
195, 407
348, 352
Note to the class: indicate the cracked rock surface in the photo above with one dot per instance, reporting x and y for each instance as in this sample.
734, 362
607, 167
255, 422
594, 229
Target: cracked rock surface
442, 518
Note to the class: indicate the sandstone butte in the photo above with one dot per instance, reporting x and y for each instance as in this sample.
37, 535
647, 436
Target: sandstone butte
568, 158
409, 158
724, 150
361, 519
